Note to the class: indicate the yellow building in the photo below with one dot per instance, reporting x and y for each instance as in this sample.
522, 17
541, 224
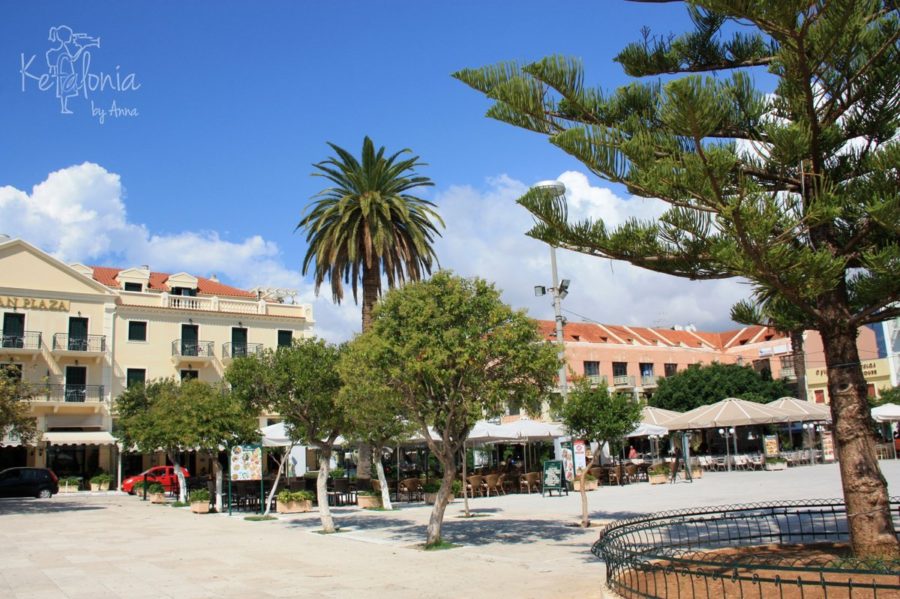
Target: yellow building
80, 335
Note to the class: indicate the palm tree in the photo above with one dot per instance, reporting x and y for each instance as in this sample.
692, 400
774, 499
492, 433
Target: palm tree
367, 224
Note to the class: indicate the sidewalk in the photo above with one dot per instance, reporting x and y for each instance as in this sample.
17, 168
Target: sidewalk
523, 546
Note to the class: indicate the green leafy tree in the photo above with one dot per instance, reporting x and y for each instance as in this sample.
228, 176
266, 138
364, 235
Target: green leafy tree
796, 191
187, 416
452, 352
15, 412
373, 410
301, 384
700, 385
887, 395
590, 413
368, 224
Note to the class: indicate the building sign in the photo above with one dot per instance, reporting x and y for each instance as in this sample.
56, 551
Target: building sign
34, 303
568, 460
873, 370
246, 462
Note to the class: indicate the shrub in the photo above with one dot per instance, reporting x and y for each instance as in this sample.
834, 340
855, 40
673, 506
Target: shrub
659, 469
286, 496
432, 486
155, 488
72, 481
311, 474
101, 478
456, 487
199, 496
338, 473
590, 478
368, 494
775, 460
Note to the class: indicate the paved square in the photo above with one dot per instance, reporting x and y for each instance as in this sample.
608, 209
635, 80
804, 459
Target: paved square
117, 546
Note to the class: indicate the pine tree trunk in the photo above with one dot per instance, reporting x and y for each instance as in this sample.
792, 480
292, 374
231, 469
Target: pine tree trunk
865, 489
385, 490
443, 498
322, 493
799, 359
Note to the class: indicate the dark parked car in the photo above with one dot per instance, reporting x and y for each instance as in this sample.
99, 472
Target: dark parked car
28, 482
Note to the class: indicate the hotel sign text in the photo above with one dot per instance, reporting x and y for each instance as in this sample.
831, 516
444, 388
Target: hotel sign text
34, 303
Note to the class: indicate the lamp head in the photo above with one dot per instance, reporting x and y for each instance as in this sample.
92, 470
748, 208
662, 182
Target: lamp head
539, 290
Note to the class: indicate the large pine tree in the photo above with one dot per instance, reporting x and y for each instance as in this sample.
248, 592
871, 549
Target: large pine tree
794, 190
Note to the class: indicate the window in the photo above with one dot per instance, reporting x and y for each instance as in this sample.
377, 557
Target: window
133, 287
137, 330
670, 369
285, 338
591, 368
820, 396
186, 291
620, 368
646, 369
189, 374
13, 330
135, 376
762, 367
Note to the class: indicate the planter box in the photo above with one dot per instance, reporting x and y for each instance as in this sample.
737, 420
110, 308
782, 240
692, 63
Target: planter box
200, 507
368, 501
696, 472
157, 497
589, 485
294, 507
95, 487
776, 466
658, 479
69, 488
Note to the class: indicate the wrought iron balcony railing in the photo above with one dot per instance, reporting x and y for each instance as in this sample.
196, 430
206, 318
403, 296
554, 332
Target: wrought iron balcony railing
88, 343
241, 350
192, 349
25, 340
70, 393
623, 380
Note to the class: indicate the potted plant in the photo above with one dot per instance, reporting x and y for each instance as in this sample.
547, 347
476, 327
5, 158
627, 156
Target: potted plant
430, 491
100, 482
658, 474
157, 493
294, 502
337, 473
775, 463
368, 499
69, 484
199, 499
590, 483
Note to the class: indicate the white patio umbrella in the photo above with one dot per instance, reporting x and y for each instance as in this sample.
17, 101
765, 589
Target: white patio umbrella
889, 412
533, 430
657, 416
645, 430
802, 411
728, 412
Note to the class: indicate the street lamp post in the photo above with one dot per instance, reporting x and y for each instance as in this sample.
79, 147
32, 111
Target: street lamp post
727, 432
559, 290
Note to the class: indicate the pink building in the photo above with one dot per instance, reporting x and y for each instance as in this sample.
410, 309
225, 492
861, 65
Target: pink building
633, 359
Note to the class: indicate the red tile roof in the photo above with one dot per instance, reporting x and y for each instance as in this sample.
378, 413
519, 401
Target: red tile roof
107, 276
595, 333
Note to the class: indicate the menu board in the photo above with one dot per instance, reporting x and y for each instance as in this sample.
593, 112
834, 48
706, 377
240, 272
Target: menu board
772, 445
246, 462
828, 447
553, 478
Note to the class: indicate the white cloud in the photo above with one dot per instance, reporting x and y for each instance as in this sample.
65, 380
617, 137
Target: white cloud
485, 236
79, 214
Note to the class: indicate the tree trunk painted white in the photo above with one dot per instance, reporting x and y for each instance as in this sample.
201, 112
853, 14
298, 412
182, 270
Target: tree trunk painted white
443, 498
385, 491
281, 465
322, 493
217, 473
179, 474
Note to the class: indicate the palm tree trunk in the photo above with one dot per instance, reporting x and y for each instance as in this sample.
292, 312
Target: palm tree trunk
371, 276
865, 489
799, 359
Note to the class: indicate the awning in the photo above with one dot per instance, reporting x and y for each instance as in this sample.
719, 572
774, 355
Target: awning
79, 438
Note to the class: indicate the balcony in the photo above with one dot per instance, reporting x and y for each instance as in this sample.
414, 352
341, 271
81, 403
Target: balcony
70, 393
596, 380
231, 351
623, 380
192, 352
205, 303
649, 380
28, 343
79, 346
787, 372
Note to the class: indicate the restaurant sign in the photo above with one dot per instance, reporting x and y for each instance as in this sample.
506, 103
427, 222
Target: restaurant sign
553, 478
246, 462
34, 303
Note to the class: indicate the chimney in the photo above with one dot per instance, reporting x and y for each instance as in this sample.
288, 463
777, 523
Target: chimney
214, 278
145, 267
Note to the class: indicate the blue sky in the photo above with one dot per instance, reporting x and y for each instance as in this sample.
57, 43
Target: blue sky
237, 100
